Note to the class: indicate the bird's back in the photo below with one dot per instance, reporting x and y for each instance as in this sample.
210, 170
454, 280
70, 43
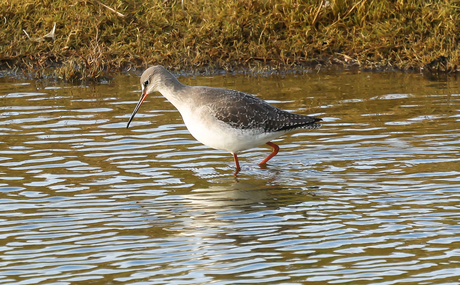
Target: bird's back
247, 112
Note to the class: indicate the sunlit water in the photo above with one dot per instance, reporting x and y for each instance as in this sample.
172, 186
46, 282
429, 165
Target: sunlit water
373, 197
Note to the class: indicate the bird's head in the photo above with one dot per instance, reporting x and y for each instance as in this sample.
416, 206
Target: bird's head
149, 83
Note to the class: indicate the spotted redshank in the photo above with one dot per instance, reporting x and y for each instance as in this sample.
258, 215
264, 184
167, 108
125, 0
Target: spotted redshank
221, 118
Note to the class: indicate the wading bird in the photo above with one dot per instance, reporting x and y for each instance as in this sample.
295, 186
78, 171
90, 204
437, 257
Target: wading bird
221, 118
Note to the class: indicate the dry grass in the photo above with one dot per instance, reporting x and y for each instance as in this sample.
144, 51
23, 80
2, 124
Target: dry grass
96, 37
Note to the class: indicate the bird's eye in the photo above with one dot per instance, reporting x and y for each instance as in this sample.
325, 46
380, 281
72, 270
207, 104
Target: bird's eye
146, 82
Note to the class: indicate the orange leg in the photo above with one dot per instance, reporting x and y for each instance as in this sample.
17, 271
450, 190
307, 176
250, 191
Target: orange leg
237, 164
276, 148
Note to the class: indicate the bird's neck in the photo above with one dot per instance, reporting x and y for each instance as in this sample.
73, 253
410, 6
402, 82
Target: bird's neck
169, 82
173, 90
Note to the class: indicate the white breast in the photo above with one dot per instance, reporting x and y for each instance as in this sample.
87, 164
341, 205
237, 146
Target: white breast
218, 135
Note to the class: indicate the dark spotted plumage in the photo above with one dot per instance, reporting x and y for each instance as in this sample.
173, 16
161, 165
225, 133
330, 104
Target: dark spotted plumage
245, 111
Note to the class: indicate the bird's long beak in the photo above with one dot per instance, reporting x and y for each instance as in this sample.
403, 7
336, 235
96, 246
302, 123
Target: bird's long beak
141, 100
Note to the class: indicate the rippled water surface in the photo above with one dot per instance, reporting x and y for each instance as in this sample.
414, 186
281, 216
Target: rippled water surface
373, 197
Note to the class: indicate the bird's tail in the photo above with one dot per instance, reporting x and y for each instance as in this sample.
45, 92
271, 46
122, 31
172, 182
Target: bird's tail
312, 126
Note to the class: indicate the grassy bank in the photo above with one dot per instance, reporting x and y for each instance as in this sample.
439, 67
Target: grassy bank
94, 37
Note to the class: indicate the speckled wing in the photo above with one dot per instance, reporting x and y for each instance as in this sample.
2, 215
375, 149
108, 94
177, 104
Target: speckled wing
245, 111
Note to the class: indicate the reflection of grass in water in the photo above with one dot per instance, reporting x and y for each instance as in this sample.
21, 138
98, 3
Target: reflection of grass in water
93, 37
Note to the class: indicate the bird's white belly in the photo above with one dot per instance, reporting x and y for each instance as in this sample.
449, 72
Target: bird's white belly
219, 135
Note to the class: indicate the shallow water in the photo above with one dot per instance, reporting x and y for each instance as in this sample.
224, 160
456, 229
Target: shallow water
370, 198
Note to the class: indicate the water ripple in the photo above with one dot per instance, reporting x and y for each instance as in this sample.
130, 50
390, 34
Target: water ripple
371, 197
